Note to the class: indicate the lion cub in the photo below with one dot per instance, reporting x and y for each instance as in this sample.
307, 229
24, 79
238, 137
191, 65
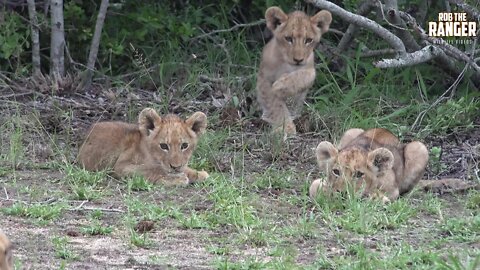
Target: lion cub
158, 148
287, 68
372, 160
6, 257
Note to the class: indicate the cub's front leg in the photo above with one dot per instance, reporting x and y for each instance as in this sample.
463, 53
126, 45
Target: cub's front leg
194, 175
294, 83
152, 172
274, 108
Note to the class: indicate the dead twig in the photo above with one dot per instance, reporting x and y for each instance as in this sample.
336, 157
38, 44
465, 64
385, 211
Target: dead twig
452, 88
81, 207
233, 28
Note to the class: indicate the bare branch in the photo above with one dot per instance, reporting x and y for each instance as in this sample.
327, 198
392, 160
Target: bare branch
425, 54
362, 10
399, 25
373, 53
358, 20
471, 11
233, 28
444, 61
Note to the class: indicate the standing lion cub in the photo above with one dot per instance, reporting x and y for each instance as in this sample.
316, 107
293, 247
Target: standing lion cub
158, 148
372, 160
6, 257
287, 68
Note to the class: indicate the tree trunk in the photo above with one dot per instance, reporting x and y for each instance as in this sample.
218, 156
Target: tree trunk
57, 44
92, 56
32, 13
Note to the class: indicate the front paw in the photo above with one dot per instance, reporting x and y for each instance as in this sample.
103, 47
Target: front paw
318, 185
287, 130
175, 179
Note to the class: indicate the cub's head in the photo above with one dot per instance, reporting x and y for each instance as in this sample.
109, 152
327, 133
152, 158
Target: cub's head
353, 166
6, 257
296, 33
169, 139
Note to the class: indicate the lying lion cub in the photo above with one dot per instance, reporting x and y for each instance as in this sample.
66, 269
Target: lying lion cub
6, 257
158, 148
374, 160
287, 68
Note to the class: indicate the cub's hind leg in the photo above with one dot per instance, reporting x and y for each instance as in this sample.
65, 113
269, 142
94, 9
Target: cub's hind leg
349, 136
415, 160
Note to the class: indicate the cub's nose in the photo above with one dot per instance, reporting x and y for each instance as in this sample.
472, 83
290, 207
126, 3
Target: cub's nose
175, 168
298, 61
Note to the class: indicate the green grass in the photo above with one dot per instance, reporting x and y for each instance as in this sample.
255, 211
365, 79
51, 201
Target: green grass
40, 212
62, 248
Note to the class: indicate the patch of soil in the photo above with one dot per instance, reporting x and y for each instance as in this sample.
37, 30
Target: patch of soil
67, 117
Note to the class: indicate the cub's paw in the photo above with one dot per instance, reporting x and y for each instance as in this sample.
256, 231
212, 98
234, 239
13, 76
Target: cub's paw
175, 180
315, 187
287, 130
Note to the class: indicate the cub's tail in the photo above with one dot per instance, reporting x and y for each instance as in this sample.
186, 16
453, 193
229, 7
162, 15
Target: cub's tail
448, 185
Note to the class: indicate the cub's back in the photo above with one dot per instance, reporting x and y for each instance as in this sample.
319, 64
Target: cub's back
380, 137
104, 142
5, 253
377, 138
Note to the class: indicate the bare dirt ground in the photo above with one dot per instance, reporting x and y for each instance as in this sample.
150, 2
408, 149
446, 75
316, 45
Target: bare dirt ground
171, 244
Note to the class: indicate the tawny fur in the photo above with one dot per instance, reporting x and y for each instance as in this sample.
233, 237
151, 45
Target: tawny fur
157, 148
373, 160
287, 67
6, 257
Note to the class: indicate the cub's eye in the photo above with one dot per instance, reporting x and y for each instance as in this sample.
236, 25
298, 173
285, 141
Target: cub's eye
308, 40
336, 172
289, 39
164, 146
184, 146
358, 174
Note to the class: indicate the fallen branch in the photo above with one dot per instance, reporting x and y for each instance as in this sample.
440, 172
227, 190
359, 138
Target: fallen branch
96, 209
411, 59
394, 41
233, 28
373, 53
346, 40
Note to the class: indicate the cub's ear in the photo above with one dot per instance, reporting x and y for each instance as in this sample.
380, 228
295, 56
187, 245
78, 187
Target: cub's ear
380, 160
275, 16
148, 119
322, 19
325, 153
197, 122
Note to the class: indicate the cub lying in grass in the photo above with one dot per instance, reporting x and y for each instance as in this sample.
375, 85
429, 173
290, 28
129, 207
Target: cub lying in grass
374, 160
6, 257
157, 148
